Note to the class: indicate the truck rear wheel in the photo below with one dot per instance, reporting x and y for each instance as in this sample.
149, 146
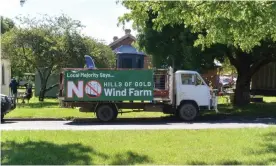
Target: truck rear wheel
106, 113
187, 112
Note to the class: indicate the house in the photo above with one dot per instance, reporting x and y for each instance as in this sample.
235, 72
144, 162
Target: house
126, 55
263, 82
5, 76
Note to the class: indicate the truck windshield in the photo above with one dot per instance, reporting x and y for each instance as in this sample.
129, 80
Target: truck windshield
191, 79
199, 81
187, 79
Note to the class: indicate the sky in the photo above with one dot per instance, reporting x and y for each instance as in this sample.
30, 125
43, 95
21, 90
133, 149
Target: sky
100, 17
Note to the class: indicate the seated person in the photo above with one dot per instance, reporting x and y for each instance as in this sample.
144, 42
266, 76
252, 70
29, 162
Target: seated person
28, 94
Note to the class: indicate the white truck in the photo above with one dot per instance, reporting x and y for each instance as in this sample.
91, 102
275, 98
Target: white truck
183, 93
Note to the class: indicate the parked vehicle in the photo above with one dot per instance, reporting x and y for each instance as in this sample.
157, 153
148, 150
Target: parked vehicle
108, 91
226, 82
7, 104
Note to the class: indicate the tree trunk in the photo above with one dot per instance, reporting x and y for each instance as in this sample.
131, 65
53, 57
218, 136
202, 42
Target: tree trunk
242, 92
42, 93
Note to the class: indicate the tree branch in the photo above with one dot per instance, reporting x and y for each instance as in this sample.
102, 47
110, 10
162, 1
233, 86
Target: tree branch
49, 72
28, 60
256, 66
232, 60
51, 87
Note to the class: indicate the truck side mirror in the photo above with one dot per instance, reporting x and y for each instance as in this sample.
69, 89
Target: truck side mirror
198, 83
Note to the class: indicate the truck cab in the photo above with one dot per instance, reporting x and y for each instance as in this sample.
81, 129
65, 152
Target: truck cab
189, 95
190, 86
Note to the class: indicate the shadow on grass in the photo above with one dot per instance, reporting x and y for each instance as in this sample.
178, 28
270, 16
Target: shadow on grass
257, 110
130, 158
229, 162
270, 143
38, 105
268, 147
47, 153
37, 153
266, 155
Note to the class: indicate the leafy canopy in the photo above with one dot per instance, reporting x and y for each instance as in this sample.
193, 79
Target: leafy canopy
48, 44
6, 24
241, 24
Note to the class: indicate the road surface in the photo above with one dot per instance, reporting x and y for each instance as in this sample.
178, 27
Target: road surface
135, 124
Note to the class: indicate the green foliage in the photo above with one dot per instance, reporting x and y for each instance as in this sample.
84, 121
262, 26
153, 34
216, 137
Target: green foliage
228, 68
6, 24
241, 24
48, 44
173, 46
244, 32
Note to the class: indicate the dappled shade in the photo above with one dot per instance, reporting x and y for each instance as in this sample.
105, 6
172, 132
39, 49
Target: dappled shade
47, 153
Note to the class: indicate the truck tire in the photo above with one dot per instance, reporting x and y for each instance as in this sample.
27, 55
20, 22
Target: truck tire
187, 112
106, 113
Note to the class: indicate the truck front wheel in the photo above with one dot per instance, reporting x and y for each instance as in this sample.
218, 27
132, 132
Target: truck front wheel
187, 112
106, 113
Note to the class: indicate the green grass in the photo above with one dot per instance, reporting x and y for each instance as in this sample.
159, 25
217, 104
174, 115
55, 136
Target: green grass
50, 109
68, 113
266, 109
197, 147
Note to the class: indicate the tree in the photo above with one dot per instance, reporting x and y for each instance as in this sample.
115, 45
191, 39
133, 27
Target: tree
49, 44
77, 45
16, 69
245, 30
37, 48
173, 46
6, 24
228, 68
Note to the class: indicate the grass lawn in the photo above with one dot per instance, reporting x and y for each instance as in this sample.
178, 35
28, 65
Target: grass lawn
50, 109
266, 109
197, 147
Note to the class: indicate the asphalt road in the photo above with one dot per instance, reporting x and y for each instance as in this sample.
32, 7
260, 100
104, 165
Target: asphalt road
135, 124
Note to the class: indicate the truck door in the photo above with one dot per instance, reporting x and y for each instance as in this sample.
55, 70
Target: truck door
193, 87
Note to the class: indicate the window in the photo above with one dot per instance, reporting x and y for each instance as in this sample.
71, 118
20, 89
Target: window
127, 63
3, 74
187, 79
139, 65
199, 80
191, 79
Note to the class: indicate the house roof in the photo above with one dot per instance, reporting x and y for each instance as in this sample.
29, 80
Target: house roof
121, 39
127, 49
